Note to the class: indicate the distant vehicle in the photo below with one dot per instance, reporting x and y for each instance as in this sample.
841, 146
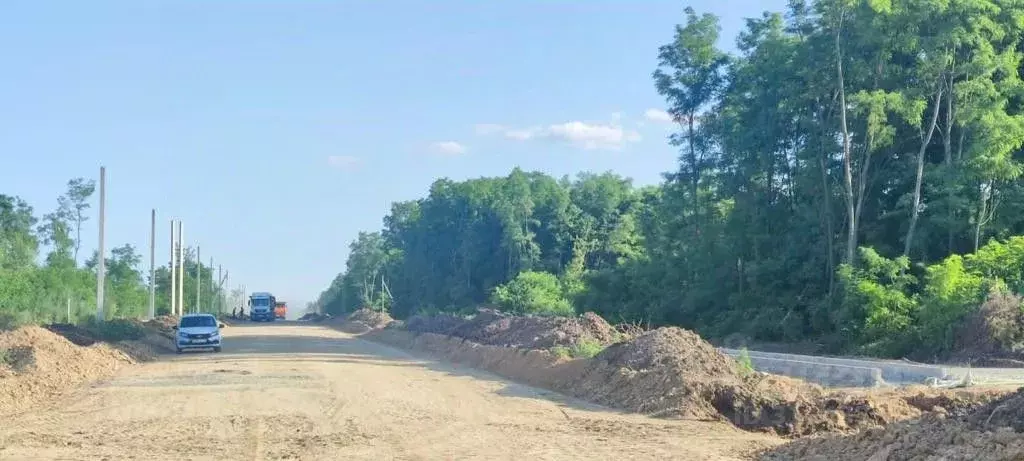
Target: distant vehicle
261, 307
198, 331
280, 310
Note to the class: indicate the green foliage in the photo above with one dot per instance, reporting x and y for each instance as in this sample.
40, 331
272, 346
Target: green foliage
876, 306
532, 293
53, 287
586, 348
896, 127
746, 365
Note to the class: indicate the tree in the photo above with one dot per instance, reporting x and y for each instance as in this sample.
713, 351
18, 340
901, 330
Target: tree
74, 203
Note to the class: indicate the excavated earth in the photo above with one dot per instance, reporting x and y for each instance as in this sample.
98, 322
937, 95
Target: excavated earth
990, 432
668, 372
38, 364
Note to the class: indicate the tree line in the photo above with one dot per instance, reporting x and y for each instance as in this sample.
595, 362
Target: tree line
851, 176
42, 275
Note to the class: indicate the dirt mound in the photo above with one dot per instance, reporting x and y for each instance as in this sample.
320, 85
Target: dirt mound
1007, 412
665, 372
314, 317
495, 328
949, 425
441, 324
671, 372
77, 335
39, 364
372, 318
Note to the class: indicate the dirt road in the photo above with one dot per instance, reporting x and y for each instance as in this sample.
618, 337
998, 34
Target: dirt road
296, 391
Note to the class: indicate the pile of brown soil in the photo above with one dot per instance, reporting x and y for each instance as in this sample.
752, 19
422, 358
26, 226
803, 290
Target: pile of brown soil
369, 318
314, 317
441, 324
671, 372
665, 372
37, 364
987, 433
77, 335
162, 324
495, 328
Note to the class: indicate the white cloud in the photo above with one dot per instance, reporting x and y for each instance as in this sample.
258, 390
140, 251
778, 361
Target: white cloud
591, 136
584, 135
658, 115
343, 162
449, 148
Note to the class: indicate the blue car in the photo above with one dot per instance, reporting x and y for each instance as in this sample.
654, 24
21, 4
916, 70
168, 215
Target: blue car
198, 331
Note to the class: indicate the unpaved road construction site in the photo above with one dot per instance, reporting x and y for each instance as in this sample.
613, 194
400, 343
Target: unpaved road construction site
489, 387
309, 392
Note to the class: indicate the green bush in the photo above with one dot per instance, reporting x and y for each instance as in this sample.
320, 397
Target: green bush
533, 293
878, 301
584, 349
745, 363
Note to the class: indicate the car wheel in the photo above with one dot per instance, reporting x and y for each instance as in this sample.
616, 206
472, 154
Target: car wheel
177, 350
216, 349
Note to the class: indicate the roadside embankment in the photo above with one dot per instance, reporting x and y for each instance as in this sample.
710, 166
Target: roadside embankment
38, 364
667, 372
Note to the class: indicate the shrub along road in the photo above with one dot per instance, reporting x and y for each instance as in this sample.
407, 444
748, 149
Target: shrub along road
301, 391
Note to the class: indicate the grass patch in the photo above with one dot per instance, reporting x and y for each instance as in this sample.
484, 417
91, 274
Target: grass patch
585, 349
746, 365
6, 358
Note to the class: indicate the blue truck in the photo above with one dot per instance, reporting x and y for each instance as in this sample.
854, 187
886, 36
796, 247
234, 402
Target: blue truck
261, 307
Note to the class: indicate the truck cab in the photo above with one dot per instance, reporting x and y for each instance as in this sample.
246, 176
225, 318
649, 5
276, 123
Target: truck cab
281, 310
261, 307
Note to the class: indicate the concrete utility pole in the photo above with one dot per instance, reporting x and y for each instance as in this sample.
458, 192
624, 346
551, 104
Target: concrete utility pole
101, 268
181, 268
174, 269
152, 265
210, 302
199, 279
220, 288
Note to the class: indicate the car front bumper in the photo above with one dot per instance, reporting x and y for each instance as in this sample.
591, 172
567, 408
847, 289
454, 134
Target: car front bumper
189, 344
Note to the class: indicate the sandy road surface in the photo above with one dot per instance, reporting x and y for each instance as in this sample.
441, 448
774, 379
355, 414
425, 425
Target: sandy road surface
294, 391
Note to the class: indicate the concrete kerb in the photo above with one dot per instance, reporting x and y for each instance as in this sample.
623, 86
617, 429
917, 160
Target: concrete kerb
890, 372
825, 374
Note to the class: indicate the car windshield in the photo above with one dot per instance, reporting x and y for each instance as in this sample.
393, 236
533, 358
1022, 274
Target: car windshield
260, 301
198, 321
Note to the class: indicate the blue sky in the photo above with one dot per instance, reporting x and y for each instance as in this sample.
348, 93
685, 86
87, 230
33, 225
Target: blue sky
276, 130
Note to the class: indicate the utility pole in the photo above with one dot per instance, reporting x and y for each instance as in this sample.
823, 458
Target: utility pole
181, 268
220, 288
199, 279
211, 285
101, 268
152, 265
174, 270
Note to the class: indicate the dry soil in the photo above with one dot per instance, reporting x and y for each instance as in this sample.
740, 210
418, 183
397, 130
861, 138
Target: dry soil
303, 391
